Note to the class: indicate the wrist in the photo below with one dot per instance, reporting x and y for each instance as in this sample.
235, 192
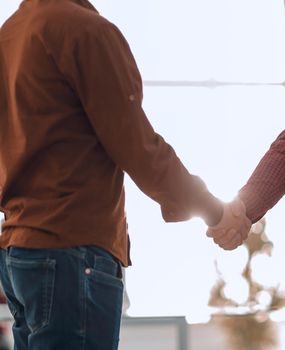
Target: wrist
253, 204
210, 208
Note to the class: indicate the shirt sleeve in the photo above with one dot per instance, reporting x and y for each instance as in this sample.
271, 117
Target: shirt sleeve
101, 69
266, 185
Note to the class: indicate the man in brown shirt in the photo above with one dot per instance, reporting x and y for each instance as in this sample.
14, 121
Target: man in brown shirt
71, 124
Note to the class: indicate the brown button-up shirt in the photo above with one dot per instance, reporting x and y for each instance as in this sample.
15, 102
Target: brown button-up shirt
71, 124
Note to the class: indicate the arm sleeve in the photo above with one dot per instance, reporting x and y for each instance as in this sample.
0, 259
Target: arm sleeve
266, 185
102, 71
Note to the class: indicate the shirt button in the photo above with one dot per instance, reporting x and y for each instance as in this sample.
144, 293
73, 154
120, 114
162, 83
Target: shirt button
88, 271
132, 97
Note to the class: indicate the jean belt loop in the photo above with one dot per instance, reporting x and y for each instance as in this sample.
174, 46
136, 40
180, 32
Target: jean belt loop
90, 258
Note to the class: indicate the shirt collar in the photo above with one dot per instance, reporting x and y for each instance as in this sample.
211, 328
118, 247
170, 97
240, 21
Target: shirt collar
84, 3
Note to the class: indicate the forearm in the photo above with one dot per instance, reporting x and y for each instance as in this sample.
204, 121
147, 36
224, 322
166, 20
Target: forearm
156, 169
266, 185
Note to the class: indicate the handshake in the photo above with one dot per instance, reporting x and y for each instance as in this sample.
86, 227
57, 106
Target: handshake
233, 227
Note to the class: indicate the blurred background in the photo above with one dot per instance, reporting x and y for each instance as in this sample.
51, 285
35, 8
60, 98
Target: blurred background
213, 73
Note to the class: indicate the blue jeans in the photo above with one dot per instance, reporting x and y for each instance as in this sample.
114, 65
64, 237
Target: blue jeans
63, 299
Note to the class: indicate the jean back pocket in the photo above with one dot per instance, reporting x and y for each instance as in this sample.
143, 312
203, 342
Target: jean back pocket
33, 285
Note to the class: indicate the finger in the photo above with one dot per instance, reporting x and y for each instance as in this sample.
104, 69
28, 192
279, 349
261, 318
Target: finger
232, 246
234, 243
226, 238
244, 233
216, 233
246, 229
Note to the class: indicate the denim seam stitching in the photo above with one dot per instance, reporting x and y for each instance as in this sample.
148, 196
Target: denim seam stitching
47, 297
83, 291
49, 290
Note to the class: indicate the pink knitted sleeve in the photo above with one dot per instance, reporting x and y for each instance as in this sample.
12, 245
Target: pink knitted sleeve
267, 183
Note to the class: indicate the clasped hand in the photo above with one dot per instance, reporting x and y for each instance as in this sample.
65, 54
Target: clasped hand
233, 228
